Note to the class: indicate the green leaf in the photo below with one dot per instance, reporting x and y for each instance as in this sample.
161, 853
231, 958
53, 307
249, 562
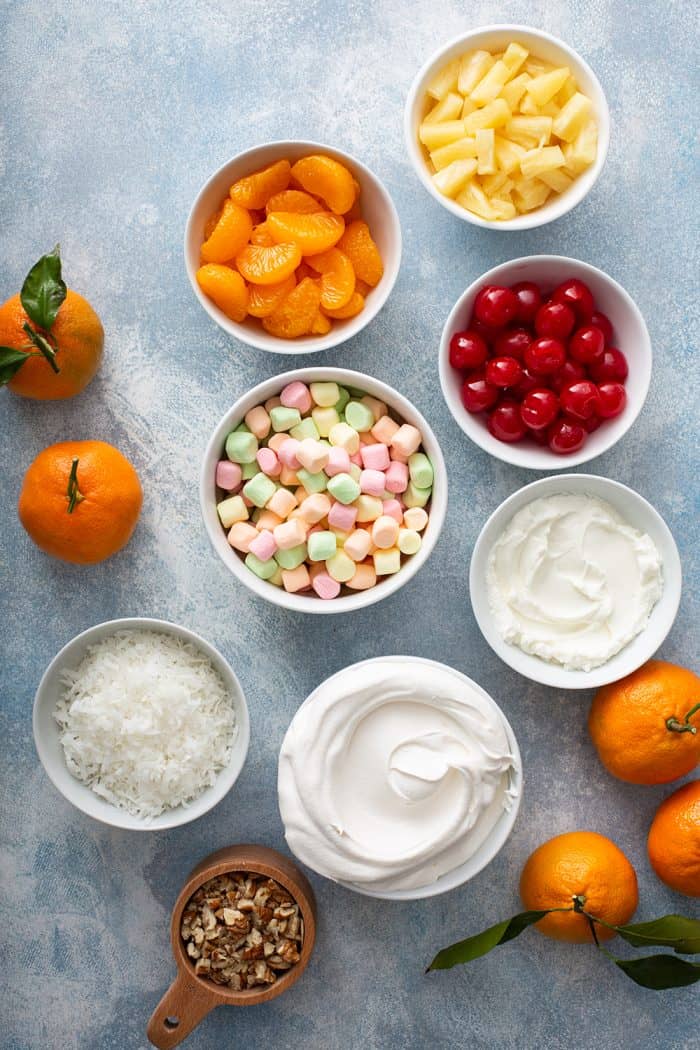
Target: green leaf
11, 361
43, 290
481, 943
659, 971
672, 931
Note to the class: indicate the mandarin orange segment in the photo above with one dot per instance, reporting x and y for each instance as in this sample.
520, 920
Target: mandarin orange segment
230, 234
328, 179
268, 264
254, 191
293, 200
313, 233
261, 235
337, 277
362, 287
211, 223
355, 306
362, 252
263, 299
296, 313
224, 287
321, 325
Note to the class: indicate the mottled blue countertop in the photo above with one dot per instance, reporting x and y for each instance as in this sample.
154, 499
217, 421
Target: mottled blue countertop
113, 115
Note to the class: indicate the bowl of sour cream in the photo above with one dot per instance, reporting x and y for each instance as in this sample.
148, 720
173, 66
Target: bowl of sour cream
399, 778
575, 581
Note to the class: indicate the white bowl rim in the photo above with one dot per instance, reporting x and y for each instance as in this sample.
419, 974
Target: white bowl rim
503, 826
522, 456
657, 629
540, 216
342, 331
226, 778
349, 602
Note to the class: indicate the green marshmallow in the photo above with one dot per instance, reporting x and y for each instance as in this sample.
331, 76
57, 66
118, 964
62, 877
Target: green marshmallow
292, 558
321, 545
249, 470
284, 418
312, 482
356, 393
421, 470
359, 416
259, 489
325, 394
415, 496
306, 429
325, 418
344, 488
264, 569
241, 446
342, 400
242, 428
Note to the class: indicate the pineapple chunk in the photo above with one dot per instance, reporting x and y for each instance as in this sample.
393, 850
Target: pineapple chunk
514, 56
445, 80
528, 107
514, 90
530, 193
473, 67
556, 179
474, 199
508, 154
454, 177
468, 107
568, 91
435, 135
492, 84
527, 131
494, 115
535, 161
544, 87
450, 108
462, 149
502, 209
496, 185
581, 153
572, 117
486, 151
537, 66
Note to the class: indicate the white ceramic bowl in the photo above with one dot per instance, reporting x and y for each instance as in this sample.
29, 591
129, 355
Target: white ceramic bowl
501, 828
50, 751
303, 602
638, 513
541, 45
631, 336
377, 210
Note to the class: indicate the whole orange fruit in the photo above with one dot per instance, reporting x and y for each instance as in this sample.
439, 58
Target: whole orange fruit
78, 338
646, 727
80, 501
674, 840
585, 865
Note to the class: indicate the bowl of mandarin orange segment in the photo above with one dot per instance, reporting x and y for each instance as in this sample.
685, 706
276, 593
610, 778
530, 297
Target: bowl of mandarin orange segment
293, 247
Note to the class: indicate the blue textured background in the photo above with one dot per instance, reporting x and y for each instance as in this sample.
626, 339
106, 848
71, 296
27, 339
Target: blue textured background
113, 116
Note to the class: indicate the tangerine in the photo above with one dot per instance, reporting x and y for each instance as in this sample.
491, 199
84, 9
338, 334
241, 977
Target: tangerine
352, 308
358, 245
674, 840
230, 234
263, 299
313, 233
337, 280
328, 179
268, 264
296, 313
225, 288
254, 191
293, 200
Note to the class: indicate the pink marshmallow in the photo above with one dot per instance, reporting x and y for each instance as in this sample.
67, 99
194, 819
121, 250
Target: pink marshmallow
393, 509
338, 461
375, 457
287, 453
356, 458
372, 482
296, 395
342, 517
325, 586
263, 546
268, 463
228, 475
396, 479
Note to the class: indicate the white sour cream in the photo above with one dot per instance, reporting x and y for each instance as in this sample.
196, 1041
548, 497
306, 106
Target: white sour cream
571, 582
393, 773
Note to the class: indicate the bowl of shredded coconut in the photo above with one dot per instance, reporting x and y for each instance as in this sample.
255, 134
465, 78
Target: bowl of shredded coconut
141, 724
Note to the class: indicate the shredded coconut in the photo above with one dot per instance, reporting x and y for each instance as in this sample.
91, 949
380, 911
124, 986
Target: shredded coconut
146, 721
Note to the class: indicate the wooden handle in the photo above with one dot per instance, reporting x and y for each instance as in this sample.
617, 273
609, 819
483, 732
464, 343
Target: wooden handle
180, 1010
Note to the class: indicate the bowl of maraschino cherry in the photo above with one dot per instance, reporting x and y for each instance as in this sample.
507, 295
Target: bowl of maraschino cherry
545, 362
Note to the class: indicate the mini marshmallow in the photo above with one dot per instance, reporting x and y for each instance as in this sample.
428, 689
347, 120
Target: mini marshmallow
287, 453
338, 461
376, 407
263, 546
359, 416
325, 394
344, 488
285, 418
259, 489
387, 562
357, 545
384, 430
282, 503
241, 446
364, 578
369, 508
240, 535
258, 422
314, 508
249, 470
264, 569
228, 475
289, 477
268, 462
340, 567
415, 518
356, 459
325, 419
272, 402
312, 455
232, 510
275, 441
340, 536
414, 497
289, 534
409, 541
306, 429
375, 457
396, 479
344, 435
266, 519
316, 482
296, 579
421, 470
325, 586
406, 440
385, 532
342, 516
289, 559
321, 545
296, 395
393, 509
372, 482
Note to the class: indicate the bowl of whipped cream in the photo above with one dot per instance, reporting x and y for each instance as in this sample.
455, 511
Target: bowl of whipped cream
575, 581
399, 778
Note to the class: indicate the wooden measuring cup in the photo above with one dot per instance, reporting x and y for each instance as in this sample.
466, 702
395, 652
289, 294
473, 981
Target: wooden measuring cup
190, 998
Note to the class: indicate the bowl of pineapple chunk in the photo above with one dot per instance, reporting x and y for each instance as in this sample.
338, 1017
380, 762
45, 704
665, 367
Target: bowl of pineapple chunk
507, 127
